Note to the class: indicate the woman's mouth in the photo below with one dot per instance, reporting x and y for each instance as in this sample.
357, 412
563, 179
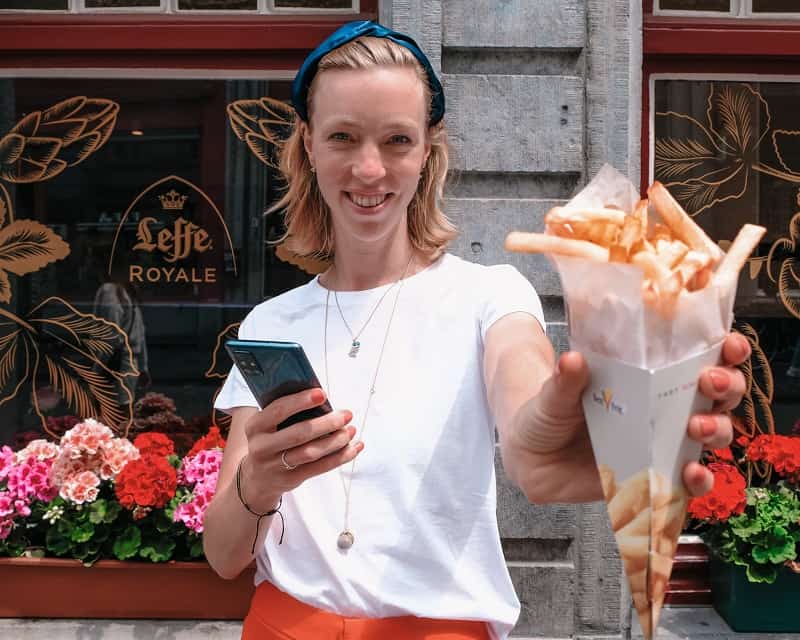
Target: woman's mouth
368, 202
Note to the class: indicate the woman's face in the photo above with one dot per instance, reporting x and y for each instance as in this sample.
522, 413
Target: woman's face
368, 143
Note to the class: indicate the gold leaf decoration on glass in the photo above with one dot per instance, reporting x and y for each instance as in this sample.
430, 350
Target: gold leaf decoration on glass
783, 265
44, 143
754, 414
713, 163
264, 125
220, 366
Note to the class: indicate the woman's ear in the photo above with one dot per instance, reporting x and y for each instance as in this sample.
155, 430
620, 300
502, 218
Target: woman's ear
307, 142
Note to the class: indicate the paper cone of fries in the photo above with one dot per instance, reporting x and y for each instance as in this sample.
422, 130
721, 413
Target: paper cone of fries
649, 301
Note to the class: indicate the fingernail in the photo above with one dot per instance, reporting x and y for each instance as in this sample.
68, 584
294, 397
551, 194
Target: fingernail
317, 395
708, 426
351, 431
359, 447
719, 381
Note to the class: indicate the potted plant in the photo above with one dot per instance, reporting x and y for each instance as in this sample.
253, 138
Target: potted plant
119, 522
751, 523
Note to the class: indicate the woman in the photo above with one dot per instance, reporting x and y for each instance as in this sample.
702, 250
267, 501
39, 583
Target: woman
389, 501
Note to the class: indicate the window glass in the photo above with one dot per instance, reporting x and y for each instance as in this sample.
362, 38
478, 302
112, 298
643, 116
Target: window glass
59, 5
313, 4
120, 4
730, 153
776, 6
695, 5
139, 205
221, 5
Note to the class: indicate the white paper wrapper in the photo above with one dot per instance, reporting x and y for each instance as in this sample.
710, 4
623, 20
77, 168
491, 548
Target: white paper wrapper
604, 303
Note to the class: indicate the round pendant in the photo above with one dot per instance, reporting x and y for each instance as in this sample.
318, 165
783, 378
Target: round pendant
345, 540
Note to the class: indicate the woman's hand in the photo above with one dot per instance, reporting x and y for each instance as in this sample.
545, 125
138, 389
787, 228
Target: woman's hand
278, 461
553, 425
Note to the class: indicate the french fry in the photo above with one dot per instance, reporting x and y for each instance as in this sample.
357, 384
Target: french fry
679, 222
543, 243
746, 240
632, 497
560, 215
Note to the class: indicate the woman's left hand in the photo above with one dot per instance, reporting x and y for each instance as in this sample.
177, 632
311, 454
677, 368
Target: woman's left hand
725, 385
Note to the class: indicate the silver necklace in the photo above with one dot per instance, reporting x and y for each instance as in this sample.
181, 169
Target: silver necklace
355, 345
346, 538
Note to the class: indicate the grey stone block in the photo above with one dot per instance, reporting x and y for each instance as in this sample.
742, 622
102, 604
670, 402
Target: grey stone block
37, 629
483, 226
700, 623
515, 123
422, 20
514, 23
547, 596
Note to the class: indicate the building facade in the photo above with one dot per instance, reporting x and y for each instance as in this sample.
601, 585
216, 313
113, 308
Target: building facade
148, 166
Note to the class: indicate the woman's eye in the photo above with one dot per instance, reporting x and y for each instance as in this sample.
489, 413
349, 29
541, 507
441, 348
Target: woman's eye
340, 136
400, 139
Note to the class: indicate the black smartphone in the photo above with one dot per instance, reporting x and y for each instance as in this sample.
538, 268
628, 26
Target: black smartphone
275, 369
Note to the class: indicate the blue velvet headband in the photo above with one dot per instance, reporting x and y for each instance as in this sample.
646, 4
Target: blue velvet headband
347, 33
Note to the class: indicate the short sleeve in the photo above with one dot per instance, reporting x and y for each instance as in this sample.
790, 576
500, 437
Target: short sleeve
506, 291
235, 392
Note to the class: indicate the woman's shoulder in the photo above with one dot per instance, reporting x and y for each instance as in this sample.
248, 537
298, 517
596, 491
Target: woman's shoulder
483, 273
284, 305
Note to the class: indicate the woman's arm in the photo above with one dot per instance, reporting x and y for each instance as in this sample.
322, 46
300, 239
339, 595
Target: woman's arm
544, 441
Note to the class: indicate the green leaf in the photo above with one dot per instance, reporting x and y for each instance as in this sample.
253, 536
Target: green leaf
158, 550
57, 542
97, 511
127, 543
113, 510
196, 546
82, 532
762, 573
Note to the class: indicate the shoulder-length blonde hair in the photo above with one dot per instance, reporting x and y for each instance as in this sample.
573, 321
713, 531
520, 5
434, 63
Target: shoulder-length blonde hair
309, 231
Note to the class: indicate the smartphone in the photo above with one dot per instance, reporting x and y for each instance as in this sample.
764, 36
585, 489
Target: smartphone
275, 369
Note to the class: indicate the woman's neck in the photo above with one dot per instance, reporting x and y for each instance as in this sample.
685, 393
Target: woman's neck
358, 272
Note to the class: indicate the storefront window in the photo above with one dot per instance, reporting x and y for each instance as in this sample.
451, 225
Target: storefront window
218, 5
132, 242
729, 151
25, 5
695, 5
120, 4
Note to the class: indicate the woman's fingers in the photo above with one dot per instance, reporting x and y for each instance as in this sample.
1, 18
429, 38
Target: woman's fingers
735, 349
724, 385
698, 480
319, 448
714, 430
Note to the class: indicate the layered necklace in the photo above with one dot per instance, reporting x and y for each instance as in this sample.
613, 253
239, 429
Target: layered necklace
346, 538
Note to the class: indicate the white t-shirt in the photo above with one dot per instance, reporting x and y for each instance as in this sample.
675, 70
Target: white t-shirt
423, 497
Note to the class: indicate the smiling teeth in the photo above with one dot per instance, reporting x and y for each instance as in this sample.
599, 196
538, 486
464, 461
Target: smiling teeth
371, 201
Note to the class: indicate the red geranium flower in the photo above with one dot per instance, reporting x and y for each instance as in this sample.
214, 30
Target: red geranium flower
149, 481
723, 454
212, 440
782, 452
726, 499
154, 444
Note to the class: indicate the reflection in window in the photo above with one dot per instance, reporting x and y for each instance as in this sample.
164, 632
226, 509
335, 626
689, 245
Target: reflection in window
148, 207
695, 5
121, 4
730, 153
218, 5
776, 6
313, 4
58, 5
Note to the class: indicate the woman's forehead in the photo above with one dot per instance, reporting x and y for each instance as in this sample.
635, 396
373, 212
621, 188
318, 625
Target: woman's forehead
379, 92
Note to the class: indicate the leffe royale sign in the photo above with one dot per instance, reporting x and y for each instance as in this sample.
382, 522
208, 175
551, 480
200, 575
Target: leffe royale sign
180, 237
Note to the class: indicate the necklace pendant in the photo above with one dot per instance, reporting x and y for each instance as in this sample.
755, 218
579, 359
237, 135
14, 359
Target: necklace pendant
354, 349
345, 540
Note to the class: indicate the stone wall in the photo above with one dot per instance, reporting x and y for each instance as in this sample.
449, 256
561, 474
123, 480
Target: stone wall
539, 95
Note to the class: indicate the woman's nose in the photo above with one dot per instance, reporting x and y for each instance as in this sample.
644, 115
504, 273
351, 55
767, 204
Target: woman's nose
368, 163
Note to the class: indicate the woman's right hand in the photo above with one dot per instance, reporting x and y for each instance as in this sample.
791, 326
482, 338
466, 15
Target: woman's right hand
278, 461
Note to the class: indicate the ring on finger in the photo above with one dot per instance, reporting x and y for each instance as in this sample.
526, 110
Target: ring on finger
288, 466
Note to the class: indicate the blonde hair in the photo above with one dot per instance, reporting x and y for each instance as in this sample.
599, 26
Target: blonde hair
309, 231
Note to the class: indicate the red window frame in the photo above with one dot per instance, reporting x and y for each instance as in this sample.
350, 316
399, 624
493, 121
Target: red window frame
176, 42
679, 45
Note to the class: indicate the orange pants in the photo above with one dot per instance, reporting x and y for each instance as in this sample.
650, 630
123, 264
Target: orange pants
275, 615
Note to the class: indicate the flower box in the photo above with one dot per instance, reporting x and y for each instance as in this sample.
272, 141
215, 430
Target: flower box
754, 607
56, 588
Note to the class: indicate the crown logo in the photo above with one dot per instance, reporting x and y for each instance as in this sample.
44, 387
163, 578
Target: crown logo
172, 201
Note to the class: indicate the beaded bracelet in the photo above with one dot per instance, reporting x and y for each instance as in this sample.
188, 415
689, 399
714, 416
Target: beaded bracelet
271, 512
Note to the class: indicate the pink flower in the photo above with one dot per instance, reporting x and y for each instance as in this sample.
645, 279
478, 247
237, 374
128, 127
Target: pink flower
116, 456
89, 436
7, 460
40, 449
192, 513
80, 488
31, 480
5, 528
200, 466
